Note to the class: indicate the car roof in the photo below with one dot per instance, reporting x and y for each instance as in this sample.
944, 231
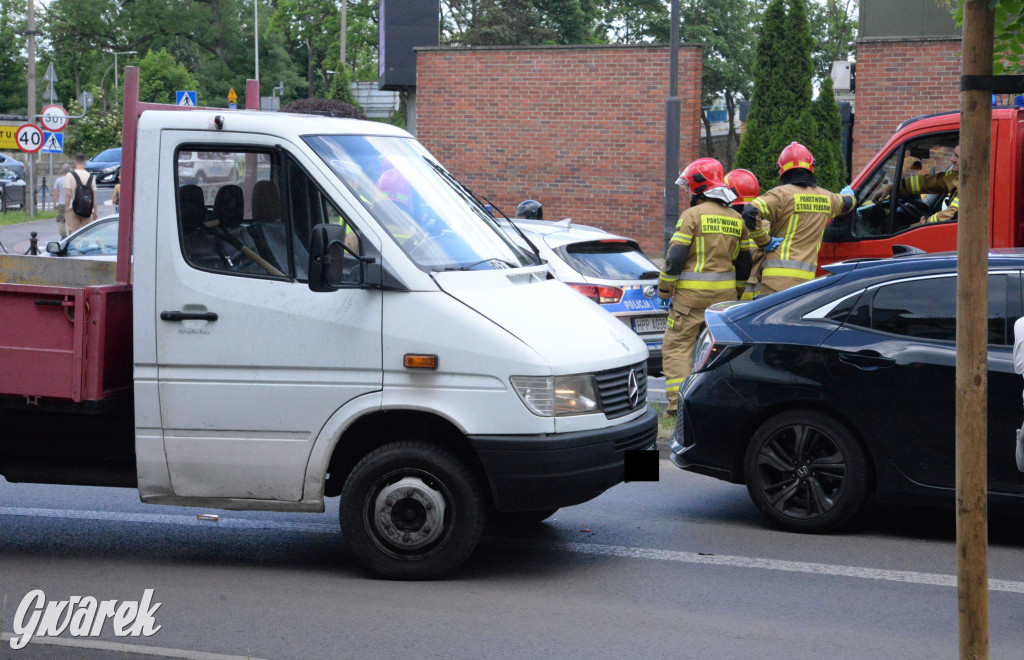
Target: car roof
564, 232
920, 263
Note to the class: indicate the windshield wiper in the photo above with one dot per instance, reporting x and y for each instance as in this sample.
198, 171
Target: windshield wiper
474, 199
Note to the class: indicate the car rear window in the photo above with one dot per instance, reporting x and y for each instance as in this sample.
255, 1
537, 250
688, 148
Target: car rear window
610, 260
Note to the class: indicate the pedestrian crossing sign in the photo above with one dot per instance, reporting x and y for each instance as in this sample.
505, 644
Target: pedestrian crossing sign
53, 143
187, 99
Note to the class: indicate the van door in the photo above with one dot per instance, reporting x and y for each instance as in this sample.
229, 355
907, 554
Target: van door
886, 223
251, 362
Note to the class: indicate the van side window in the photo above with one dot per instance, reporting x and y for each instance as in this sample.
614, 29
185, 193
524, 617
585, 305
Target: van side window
891, 203
248, 212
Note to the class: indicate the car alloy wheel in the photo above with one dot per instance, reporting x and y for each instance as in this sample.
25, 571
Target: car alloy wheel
807, 472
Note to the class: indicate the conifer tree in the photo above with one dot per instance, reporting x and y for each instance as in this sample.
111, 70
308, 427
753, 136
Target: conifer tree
795, 120
828, 153
753, 153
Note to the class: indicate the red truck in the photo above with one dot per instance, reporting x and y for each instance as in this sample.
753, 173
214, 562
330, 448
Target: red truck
924, 145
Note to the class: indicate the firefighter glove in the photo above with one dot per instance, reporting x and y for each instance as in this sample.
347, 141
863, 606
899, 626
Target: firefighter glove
772, 244
665, 304
848, 191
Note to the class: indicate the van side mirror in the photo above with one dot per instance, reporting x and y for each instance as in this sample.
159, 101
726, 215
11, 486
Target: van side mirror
334, 265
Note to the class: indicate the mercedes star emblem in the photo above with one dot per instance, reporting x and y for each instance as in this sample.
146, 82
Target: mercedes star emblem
650, 290
634, 389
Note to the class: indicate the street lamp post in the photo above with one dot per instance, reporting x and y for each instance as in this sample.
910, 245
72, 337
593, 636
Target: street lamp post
115, 54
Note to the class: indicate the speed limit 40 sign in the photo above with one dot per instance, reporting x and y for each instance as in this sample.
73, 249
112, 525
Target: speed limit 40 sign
29, 138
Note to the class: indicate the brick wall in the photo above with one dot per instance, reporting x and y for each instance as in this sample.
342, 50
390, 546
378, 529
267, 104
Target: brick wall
580, 129
897, 79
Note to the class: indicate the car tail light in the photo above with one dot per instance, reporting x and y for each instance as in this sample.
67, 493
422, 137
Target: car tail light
709, 352
602, 295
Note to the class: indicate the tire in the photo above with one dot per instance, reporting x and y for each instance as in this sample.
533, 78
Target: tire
412, 511
521, 518
807, 472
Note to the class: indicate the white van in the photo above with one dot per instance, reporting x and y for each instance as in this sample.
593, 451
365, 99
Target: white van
344, 320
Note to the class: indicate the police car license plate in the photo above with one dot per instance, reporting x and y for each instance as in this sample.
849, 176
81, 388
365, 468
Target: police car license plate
645, 324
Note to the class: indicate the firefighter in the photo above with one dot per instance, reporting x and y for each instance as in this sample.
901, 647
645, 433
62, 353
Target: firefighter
699, 267
797, 212
745, 186
946, 182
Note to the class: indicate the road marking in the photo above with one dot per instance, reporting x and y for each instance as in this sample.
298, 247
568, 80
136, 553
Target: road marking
761, 563
912, 577
122, 649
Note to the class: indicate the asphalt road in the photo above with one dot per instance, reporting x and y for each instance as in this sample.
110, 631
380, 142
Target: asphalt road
682, 568
16, 237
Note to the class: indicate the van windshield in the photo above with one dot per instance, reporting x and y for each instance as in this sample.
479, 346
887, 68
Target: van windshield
434, 221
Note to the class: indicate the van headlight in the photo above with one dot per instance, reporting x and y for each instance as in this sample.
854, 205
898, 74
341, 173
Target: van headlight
557, 396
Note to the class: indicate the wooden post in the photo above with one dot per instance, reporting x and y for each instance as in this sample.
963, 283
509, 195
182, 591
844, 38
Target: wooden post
972, 336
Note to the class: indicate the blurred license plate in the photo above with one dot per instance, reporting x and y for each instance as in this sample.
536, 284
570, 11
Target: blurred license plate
644, 324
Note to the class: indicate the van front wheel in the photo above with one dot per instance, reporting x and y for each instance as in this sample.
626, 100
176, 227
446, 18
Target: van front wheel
412, 511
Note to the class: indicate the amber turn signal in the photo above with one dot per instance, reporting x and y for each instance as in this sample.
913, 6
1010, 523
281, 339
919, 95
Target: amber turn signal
420, 361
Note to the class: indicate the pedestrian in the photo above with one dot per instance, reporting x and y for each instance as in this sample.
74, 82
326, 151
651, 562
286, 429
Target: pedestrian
115, 198
700, 267
746, 187
80, 196
797, 212
1018, 367
59, 200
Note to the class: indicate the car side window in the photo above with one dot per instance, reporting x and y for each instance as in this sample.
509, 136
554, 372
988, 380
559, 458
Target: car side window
926, 309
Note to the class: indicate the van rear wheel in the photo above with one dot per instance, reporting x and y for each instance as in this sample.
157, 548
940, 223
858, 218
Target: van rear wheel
412, 511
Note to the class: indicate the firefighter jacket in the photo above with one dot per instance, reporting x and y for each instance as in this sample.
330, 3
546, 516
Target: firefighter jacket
711, 234
798, 215
945, 182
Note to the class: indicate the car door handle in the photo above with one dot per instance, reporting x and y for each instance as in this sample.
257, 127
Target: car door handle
188, 316
866, 360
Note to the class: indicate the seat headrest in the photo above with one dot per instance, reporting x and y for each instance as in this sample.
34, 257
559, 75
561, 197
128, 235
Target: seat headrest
229, 206
193, 206
266, 202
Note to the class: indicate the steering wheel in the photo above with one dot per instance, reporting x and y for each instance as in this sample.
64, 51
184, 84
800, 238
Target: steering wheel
432, 238
915, 208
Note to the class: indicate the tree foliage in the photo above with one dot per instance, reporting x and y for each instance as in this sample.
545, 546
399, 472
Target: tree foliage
519, 22
13, 94
781, 109
160, 77
830, 167
99, 129
325, 107
1008, 49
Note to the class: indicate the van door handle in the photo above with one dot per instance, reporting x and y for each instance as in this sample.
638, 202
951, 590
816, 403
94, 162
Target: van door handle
188, 316
866, 360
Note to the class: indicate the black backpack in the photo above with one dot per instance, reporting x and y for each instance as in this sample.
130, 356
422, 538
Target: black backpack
82, 202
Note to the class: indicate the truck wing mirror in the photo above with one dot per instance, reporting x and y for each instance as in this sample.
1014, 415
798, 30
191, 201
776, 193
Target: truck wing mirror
334, 265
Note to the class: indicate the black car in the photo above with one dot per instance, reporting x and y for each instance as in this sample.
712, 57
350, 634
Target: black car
105, 167
842, 389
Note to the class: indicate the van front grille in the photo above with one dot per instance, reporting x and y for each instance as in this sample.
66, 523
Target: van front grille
620, 394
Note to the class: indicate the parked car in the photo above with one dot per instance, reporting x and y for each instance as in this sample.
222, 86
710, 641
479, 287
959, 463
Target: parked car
609, 269
97, 240
842, 389
200, 167
13, 163
12, 188
105, 167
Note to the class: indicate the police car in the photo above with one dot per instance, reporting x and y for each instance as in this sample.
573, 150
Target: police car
609, 269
